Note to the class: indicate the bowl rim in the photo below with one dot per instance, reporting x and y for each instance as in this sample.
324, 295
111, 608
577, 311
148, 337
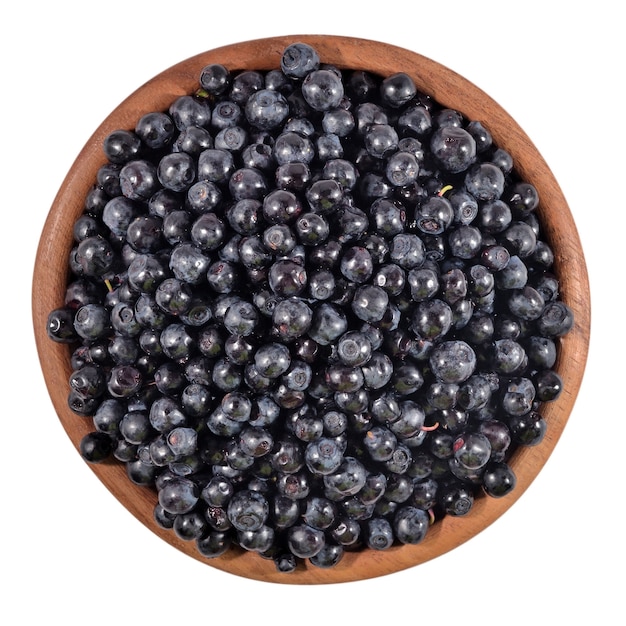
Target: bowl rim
449, 89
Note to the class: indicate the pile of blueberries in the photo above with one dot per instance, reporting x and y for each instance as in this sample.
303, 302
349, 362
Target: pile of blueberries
313, 309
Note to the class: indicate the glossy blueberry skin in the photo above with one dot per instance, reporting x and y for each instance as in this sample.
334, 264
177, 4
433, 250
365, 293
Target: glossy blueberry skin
215, 79
410, 524
291, 147
397, 89
188, 111
266, 109
370, 303
248, 510
292, 317
322, 89
454, 148
499, 479
121, 146
485, 182
298, 59
304, 541
179, 496
453, 361
96, 447
177, 171
379, 533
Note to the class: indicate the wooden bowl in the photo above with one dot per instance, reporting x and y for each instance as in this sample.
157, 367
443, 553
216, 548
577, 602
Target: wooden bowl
449, 89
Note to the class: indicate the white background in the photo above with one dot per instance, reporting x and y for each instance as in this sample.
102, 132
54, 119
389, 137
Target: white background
70, 552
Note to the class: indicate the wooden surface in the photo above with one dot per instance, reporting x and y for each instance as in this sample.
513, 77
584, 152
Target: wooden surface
449, 89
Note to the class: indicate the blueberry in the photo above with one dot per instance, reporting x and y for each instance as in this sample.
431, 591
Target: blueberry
215, 79
215, 165
456, 499
189, 111
272, 360
121, 146
96, 447
291, 318
349, 477
397, 89
287, 278
298, 59
90, 322
94, 256
498, 479
549, 385
555, 320
179, 496
407, 250
453, 361
473, 450
370, 303
485, 181
379, 533
293, 148
410, 524
207, 231
139, 179
356, 264
177, 171
60, 325
454, 148
281, 206
304, 541
322, 89
312, 229
528, 429
213, 544
432, 319
266, 109
329, 556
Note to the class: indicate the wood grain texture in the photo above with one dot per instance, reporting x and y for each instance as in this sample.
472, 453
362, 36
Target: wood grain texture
448, 88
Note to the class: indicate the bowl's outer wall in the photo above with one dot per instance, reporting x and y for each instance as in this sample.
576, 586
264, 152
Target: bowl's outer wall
449, 89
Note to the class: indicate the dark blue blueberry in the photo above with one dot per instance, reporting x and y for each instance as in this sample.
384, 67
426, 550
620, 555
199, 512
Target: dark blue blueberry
215, 79
454, 148
304, 541
244, 85
379, 533
215, 165
91, 322
193, 140
287, 278
96, 447
60, 325
177, 171
94, 256
298, 59
499, 479
370, 303
266, 109
410, 524
121, 146
179, 496
139, 179
556, 319
292, 147
380, 140
485, 181
322, 89
453, 361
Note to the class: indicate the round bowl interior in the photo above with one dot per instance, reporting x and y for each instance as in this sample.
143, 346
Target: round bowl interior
449, 89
